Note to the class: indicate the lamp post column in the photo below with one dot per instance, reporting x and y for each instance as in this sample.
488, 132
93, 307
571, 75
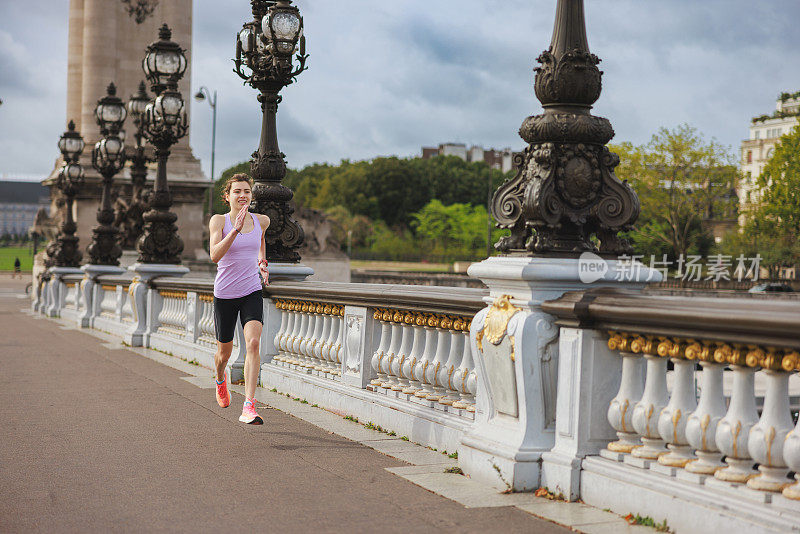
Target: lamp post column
265, 46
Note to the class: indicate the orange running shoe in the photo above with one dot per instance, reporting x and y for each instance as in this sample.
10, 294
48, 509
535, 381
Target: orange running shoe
223, 395
249, 414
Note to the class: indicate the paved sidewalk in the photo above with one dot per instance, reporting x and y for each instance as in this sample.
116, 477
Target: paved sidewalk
98, 438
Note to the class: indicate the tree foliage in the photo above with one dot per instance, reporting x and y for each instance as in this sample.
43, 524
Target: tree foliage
683, 183
772, 220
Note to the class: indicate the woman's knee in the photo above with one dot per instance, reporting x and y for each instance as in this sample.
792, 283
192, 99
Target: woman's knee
252, 345
225, 349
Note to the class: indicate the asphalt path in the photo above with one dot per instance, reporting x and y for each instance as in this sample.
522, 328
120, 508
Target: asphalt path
95, 439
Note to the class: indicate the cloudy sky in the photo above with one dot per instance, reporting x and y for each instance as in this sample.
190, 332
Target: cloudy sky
387, 77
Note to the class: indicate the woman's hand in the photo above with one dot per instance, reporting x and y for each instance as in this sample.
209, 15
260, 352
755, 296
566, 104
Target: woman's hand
262, 268
238, 224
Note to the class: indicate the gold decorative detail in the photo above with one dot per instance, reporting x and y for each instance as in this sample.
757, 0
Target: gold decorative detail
108, 287
676, 418
623, 410
433, 321
735, 431
513, 356
755, 357
387, 315
497, 319
704, 422
408, 318
446, 322
769, 437
617, 341
168, 294
206, 297
642, 345
376, 315
791, 361
668, 348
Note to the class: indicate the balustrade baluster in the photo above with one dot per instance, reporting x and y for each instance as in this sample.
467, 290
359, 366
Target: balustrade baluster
316, 339
631, 387
791, 445
701, 427
393, 351
429, 351
465, 375
454, 358
415, 356
280, 305
305, 325
647, 410
682, 402
404, 352
327, 320
291, 328
734, 429
766, 438
337, 350
308, 309
378, 359
436, 375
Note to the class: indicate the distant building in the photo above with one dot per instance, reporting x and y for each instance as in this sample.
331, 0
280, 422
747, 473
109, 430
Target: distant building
19, 203
764, 134
501, 160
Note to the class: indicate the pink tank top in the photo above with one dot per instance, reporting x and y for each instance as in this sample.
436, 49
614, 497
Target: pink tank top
237, 271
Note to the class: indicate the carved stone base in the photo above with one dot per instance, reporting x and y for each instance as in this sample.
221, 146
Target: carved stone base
516, 351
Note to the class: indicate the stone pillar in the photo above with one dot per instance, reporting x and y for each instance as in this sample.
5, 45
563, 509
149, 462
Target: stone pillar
518, 363
75, 63
99, 60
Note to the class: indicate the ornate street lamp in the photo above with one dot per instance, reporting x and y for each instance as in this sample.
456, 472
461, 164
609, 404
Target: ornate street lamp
565, 190
132, 225
108, 158
266, 47
165, 123
63, 251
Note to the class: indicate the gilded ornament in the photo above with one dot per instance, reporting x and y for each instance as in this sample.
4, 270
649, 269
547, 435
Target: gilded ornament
791, 361
617, 341
497, 319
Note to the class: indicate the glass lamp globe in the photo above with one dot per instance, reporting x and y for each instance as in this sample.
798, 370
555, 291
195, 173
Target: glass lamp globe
73, 172
71, 143
138, 102
168, 106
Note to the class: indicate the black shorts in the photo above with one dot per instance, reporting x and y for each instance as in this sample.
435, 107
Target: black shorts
226, 311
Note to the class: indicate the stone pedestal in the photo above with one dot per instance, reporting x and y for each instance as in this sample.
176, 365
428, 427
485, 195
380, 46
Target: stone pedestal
91, 297
295, 272
145, 301
517, 348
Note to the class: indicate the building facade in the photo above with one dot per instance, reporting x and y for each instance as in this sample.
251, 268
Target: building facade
502, 160
764, 134
19, 204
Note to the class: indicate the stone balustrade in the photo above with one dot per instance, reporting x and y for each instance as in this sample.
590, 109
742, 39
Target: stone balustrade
673, 407
705, 403
400, 351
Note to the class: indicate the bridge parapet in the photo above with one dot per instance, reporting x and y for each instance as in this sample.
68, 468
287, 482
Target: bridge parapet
681, 408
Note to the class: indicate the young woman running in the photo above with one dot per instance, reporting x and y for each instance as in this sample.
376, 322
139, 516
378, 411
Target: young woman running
237, 247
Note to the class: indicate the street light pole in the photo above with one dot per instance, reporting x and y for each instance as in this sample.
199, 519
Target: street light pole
205, 94
265, 48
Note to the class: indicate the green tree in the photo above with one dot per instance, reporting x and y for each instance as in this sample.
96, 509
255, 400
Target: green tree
457, 231
683, 183
772, 220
